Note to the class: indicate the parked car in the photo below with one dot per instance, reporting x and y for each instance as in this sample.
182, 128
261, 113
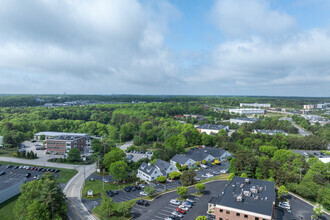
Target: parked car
190, 200
187, 204
2, 173
175, 202
105, 180
175, 213
28, 175
142, 193
174, 217
180, 210
284, 205
9, 166
127, 189
204, 166
56, 171
109, 193
142, 202
115, 191
210, 217
183, 207
92, 179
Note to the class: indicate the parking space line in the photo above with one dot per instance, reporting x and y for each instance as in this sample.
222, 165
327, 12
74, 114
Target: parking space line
158, 217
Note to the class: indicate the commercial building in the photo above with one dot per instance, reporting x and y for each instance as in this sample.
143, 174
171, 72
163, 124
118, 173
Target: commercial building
255, 105
309, 107
52, 134
63, 144
208, 154
248, 199
321, 106
208, 128
240, 121
270, 132
247, 111
148, 172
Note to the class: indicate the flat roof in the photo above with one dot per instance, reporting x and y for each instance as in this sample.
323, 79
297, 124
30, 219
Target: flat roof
55, 133
257, 196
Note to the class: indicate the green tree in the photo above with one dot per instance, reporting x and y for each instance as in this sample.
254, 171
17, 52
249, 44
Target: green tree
42, 199
174, 175
318, 210
178, 166
231, 176
268, 150
153, 161
282, 191
161, 179
188, 177
114, 155
149, 190
200, 187
74, 155
201, 218
122, 209
182, 191
107, 206
119, 170
244, 175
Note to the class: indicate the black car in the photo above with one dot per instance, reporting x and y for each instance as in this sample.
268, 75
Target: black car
109, 193
115, 191
127, 189
2, 173
210, 217
40, 168
43, 170
28, 175
56, 171
142, 202
138, 187
52, 170
9, 166
133, 188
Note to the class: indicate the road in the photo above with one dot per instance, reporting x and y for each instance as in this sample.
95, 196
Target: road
301, 131
72, 189
73, 192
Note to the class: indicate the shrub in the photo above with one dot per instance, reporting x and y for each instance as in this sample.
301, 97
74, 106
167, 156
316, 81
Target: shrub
14, 154
204, 162
161, 179
198, 163
174, 175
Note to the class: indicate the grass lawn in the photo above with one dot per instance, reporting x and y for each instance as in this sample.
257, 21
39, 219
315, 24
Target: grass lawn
7, 208
74, 163
197, 194
220, 177
7, 152
97, 188
295, 135
64, 175
97, 211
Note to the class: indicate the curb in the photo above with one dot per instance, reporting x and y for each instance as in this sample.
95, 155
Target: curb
172, 190
309, 203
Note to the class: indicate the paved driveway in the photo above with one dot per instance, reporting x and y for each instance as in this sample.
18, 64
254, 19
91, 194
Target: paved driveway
160, 208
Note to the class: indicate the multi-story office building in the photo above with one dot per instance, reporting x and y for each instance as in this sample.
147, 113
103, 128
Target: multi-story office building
63, 144
256, 105
247, 111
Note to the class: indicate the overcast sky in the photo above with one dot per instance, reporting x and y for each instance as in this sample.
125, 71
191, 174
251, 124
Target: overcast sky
188, 47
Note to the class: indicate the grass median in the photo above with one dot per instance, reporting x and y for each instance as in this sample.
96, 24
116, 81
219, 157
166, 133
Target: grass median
97, 187
97, 211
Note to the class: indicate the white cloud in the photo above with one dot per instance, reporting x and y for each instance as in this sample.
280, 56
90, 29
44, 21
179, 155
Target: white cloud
250, 17
295, 65
103, 45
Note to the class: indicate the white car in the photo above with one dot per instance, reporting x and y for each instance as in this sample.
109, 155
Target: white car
106, 180
143, 193
186, 204
204, 166
175, 202
177, 214
183, 207
284, 205
209, 175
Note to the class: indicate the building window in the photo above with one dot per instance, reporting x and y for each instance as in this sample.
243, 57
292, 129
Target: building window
220, 219
246, 216
221, 210
256, 218
237, 214
227, 212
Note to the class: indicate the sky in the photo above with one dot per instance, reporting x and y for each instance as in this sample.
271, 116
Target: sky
174, 47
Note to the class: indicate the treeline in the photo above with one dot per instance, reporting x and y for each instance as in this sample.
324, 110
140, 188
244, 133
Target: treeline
225, 101
270, 123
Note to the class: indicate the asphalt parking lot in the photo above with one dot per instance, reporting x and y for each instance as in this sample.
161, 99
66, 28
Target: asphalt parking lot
161, 208
14, 175
200, 173
299, 210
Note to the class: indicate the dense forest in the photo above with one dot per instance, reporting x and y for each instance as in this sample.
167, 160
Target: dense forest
154, 127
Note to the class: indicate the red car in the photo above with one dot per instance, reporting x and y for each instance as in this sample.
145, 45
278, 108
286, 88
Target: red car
180, 210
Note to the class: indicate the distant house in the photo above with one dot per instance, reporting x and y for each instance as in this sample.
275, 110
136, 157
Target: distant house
208, 128
148, 172
270, 132
199, 154
182, 160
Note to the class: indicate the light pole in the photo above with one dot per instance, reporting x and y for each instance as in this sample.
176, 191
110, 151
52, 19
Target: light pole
300, 169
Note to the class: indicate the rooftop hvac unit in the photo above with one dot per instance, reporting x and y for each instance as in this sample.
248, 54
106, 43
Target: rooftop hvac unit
254, 190
239, 198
